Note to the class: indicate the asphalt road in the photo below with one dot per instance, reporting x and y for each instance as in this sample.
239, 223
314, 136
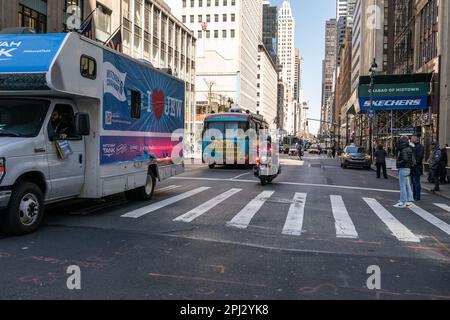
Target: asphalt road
218, 234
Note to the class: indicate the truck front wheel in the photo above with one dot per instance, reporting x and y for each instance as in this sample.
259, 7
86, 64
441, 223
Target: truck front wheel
143, 193
25, 211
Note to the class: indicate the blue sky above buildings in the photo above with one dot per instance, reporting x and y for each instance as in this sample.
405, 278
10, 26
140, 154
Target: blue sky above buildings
310, 17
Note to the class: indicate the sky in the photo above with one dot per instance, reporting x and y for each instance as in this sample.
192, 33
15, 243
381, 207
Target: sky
310, 17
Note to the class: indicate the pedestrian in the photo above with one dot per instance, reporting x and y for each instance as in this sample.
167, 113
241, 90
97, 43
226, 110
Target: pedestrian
333, 151
444, 164
435, 165
417, 170
404, 164
380, 157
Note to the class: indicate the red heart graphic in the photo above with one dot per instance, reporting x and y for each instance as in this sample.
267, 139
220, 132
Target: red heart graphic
158, 103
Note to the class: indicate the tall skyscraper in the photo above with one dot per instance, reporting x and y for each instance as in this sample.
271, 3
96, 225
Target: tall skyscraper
328, 68
286, 56
270, 29
344, 18
228, 35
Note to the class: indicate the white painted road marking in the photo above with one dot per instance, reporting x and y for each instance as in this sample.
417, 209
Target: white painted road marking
288, 184
156, 206
431, 219
205, 207
241, 175
243, 218
343, 223
397, 228
294, 221
443, 206
168, 188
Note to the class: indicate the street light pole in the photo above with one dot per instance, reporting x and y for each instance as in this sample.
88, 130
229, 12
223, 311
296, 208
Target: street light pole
371, 112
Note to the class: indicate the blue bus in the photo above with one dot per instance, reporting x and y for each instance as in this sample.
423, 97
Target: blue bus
234, 120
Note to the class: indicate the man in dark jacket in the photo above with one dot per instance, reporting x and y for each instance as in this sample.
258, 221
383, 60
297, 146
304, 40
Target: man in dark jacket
417, 170
404, 165
435, 165
380, 156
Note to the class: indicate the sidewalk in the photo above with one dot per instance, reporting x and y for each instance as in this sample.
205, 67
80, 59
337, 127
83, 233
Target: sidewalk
445, 188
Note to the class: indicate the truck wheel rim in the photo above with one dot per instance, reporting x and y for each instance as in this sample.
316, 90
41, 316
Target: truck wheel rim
28, 209
149, 185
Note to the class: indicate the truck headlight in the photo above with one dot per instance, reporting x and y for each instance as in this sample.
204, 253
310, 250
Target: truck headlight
2, 168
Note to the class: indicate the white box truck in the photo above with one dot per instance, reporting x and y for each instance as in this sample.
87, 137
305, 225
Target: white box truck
79, 120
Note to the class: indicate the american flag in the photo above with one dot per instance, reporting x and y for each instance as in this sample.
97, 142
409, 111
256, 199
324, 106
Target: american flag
115, 42
86, 28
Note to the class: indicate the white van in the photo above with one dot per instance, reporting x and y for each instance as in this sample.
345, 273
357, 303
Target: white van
78, 120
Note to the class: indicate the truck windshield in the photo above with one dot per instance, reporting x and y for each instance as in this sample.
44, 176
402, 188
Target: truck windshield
22, 118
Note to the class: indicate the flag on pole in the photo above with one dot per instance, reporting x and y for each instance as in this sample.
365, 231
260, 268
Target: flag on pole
115, 41
87, 27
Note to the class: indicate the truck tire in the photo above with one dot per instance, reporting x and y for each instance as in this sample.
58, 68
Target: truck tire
25, 210
144, 193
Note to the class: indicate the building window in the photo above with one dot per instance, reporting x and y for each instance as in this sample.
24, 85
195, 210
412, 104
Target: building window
199, 34
200, 3
233, 17
224, 3
208, 18
232, 33
192, 3
103, 18
208, 34
184, 3
183, 19
216, 33
224, 17
224, 33
30, 18
217, 3
191, 18
208, 3
233, 2
200, 18
216, 18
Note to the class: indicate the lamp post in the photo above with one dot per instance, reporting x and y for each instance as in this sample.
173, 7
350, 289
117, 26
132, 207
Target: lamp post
371, 113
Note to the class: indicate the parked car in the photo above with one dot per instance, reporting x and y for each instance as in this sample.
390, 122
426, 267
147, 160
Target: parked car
314, 149
355, 156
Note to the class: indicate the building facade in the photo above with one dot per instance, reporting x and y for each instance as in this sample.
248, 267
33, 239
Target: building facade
266, 104
328, 72
150, 32
286, 56
270, 29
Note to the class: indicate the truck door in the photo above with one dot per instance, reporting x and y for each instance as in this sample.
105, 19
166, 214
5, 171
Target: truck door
67, 159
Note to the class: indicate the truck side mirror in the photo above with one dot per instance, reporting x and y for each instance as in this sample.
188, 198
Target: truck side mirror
82, 124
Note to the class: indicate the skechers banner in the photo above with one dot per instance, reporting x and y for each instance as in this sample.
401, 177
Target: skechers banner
403, 96
28, 53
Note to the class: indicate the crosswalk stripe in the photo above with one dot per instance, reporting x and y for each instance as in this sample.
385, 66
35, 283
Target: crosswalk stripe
294, 221
343, 223
156, 206
168, 188
243, 218
397, 228
431, 219
443, 206
205, 207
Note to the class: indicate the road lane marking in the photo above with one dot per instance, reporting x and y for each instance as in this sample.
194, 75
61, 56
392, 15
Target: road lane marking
442, 206
161, 204
289, 184
241, 175
168, 188
431, 219
294, 221
205, 207
343, 223
243, 218
397, 228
